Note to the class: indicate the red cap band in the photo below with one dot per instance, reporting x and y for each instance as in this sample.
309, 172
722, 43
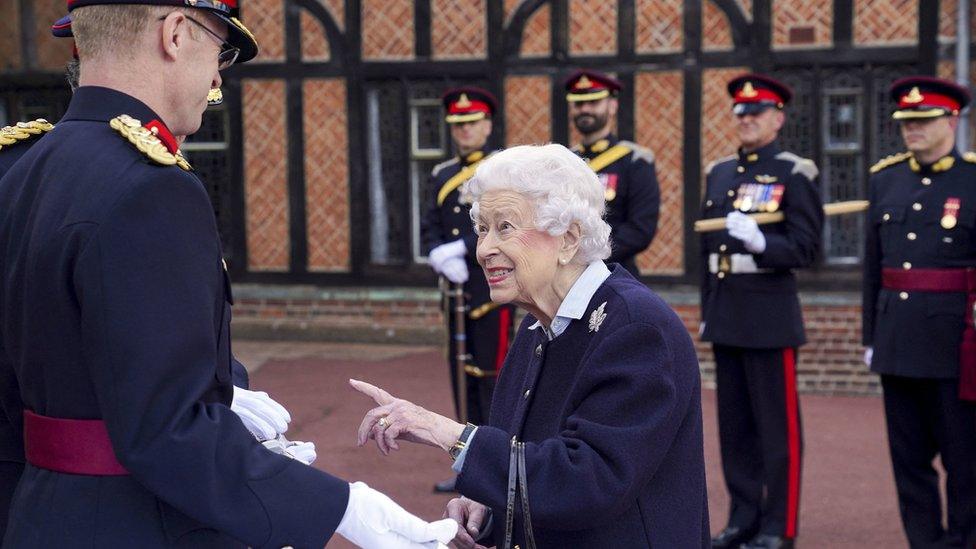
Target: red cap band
927, 99
756, 96
469, 107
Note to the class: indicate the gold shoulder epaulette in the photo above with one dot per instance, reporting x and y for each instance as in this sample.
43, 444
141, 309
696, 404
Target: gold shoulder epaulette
890, 161
969, 156
22, 131
147, 143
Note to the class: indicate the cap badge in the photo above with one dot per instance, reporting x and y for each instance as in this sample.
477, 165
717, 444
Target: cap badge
748, 90
913, 96
463, 102
583, 83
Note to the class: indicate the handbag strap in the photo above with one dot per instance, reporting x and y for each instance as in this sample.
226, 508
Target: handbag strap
512, 493
524, 486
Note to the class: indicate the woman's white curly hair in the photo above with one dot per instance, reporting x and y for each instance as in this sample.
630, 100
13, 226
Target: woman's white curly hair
562, 187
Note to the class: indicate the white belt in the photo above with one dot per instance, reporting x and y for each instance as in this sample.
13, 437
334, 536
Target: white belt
734, 263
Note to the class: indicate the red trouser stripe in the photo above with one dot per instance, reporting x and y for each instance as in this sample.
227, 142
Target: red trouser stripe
504, 320
793, 441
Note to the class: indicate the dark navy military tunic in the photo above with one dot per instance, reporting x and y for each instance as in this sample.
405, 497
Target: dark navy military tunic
488, 326
11, 427
114, 305
760, 310
917, 334
611, 414
633, 198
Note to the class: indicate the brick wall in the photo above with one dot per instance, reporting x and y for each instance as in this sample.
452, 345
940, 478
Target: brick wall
829, 363
536, 37
266, 19
659, 26
885, 22
266, 175
659, 117
10, 54
801, 23
315, 44
458, 29
527, 110
387, 29
716, 32
592, 27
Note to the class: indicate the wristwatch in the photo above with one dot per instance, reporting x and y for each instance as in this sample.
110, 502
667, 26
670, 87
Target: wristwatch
462, 441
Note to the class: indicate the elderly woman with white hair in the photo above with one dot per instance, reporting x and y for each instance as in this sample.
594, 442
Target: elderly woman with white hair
595, 432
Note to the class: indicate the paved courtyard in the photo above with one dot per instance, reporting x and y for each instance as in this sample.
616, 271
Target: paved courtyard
847, 501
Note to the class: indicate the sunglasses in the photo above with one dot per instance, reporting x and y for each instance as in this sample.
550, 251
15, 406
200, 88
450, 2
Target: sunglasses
228, 52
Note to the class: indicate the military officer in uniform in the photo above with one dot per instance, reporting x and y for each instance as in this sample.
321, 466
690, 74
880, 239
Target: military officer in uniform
450, 241
919, 291
625, 168
751, 313
115, 317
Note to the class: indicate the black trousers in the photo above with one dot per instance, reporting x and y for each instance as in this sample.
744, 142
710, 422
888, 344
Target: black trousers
486, 342
761, 437
926, 418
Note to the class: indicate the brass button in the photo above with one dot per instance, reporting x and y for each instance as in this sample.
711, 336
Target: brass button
740, 169
731, 192
886, 217
903, 296
722, 248
926, 181
455, 232
527, 391
906, 265
917, 206
912, 236
457, 209
538, 351
708, 202
721, 275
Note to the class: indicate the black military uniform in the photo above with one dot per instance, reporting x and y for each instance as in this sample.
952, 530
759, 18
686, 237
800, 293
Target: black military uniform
115, 321
488, 327
752, 316
919, 291
627, 172
14, 142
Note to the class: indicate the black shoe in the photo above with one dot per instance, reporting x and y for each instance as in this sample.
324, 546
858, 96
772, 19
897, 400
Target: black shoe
731, 536
446, 486
768, 541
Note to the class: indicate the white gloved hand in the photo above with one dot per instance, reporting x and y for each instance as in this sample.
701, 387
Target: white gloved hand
439, 255
374, 520
701, 329
456, 270
262, 416
301, 451
746, 229
868, 355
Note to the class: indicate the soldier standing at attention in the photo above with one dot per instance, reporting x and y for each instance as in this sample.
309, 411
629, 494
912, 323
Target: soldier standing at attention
115, 317
751, 314
625, 168
919, 291
448, 237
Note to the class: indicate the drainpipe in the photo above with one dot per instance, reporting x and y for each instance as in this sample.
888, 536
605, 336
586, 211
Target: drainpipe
962, 68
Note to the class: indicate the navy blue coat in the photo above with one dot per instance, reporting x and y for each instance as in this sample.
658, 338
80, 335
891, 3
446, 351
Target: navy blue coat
613, 424
114, 306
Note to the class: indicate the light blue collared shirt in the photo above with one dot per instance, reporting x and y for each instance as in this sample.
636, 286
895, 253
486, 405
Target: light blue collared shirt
572, 308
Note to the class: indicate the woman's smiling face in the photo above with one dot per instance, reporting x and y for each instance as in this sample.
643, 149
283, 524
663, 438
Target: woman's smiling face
519, 260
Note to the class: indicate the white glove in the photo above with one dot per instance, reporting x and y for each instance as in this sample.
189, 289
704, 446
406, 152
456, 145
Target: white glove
456, 270
868, 355
374, 520
439, 255
701, 329
746, 229
297, 450
262, 416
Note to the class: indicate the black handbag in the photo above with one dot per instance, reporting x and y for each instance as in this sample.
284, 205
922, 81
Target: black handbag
518, 489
